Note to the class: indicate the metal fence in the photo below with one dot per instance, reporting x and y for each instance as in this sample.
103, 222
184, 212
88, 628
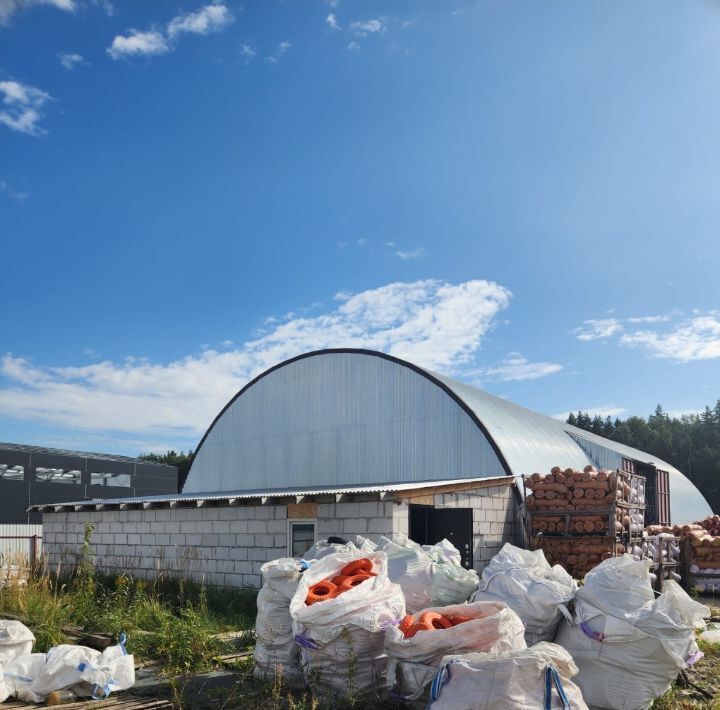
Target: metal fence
20, 542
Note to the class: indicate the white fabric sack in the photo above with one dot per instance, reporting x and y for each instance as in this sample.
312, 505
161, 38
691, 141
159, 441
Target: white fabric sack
276, 653
20, 674
629, 651
430, 575
530, 586
15, 640
341, 638
512, 681
412, 662
33, 676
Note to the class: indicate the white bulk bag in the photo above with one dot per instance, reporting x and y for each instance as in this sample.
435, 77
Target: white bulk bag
276, 653
430, 575
15, 640
341, 638
629, 651
412, 662
323, 548
526, 679
529, 585
85, 671
20, 674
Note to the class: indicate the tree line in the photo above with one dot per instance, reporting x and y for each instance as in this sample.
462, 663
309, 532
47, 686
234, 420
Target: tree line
691, 443
183, 461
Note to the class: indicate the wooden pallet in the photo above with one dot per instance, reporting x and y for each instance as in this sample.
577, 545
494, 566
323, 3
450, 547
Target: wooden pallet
114, 702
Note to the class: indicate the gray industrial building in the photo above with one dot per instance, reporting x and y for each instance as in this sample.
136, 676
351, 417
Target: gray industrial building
350, 442
31, 475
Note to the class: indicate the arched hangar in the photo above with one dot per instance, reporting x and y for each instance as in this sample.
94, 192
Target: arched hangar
342, 417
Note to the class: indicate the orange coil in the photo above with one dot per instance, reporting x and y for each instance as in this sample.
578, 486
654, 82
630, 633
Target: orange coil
356, 567
437, 621
321, 591
406, 623
353, 580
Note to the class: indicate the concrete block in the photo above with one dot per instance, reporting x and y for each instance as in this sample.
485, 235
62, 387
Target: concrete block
210, 540
227, 540
243, 540
258, 554
263, 512
257, 526
277, 526
380, 526
239, 526
280, 540
264, 541
370, 510
251, 581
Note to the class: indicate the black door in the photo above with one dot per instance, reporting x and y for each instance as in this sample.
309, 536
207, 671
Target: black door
430, 525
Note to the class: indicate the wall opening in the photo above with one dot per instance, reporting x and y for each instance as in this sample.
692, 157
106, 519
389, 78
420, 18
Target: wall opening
429, 525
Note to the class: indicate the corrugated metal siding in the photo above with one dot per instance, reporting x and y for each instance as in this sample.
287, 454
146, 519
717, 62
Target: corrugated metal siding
336, 419
529, 441
16, 542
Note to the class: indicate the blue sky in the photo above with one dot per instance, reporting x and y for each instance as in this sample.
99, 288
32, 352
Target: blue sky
520, 194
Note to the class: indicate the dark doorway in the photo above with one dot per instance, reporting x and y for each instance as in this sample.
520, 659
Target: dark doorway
429, 525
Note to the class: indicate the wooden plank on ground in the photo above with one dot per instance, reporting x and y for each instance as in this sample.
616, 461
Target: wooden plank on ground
114, 702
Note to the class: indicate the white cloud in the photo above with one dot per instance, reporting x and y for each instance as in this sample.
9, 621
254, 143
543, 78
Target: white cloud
9, 7
6, 189
283, 47
649, 319
208, 19
353, 46
211, 18
362, 29
597, 329
70, 60
410, 253
248, 51
694, 339
606, 410
331, 22
138, 43
433, 323
21, 107
516, 367
674, 337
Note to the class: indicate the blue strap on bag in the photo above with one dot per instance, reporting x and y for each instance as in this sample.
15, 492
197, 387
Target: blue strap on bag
552, 677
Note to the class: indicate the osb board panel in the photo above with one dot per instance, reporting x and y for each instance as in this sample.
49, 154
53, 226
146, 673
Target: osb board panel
423, 500
301, 510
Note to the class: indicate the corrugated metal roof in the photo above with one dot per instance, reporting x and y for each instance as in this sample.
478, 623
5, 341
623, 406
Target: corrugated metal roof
298, 492
532, 442
29, 449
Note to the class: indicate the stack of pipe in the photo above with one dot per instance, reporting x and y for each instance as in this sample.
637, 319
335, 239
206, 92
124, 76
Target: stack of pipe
588, 490
579, 555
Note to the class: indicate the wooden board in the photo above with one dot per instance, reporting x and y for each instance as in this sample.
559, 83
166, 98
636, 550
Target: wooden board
297, 511
119, 702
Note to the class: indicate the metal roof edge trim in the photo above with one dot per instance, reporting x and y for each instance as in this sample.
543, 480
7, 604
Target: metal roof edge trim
267, 495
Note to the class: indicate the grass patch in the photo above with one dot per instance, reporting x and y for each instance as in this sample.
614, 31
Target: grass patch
172, 621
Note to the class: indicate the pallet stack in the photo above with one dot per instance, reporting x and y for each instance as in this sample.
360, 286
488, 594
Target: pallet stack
701, 542
662, 547
579, 518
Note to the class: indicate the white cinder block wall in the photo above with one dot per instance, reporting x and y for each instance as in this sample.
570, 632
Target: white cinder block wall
494, 518
227, 546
